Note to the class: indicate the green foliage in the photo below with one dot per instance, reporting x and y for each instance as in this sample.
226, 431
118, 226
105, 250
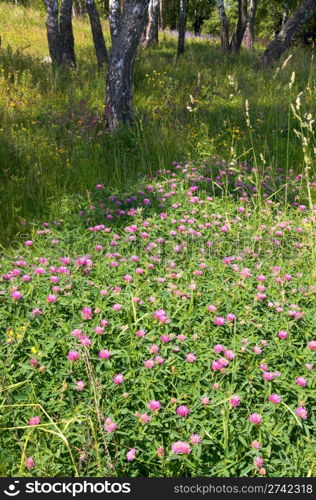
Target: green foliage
209, 248
269, 16
52, 135
211, 26
198, 12
245, 142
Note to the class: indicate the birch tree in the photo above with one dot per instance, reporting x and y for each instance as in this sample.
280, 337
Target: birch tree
282, 42
249, 37
59, 32
126, 26
152, 30
161, 16
68, 57
182, 26
224, 25
238, 35
245, 27
52, 28
97, 34
285, 14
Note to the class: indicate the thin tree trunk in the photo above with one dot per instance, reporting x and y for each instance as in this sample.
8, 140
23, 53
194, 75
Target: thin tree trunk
238, 36
282, 42
285, 14
224, 25
68, 57
126, 28
161, 18
182, 26
97, 34
198, 22
153, 22
143, 35
249, 36
52, 27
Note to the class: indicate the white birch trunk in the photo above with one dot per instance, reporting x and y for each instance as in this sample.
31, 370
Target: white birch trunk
224, 25
182, 26
153, 24
126, 29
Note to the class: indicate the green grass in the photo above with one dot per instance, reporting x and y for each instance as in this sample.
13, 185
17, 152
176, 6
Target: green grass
238, 233
50, 147
247, 258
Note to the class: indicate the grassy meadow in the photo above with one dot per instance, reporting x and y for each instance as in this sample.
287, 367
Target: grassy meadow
52, 141
157, 287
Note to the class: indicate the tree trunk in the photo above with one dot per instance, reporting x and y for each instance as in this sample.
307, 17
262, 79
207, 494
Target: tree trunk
198, 19
249, 37
238, 36
68, 57
97, 34
126, 30
198, 22
115, 17
143, 35
282, 42
224, 25
161, 18
285, 14
182, 26
53, 35
153, 24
